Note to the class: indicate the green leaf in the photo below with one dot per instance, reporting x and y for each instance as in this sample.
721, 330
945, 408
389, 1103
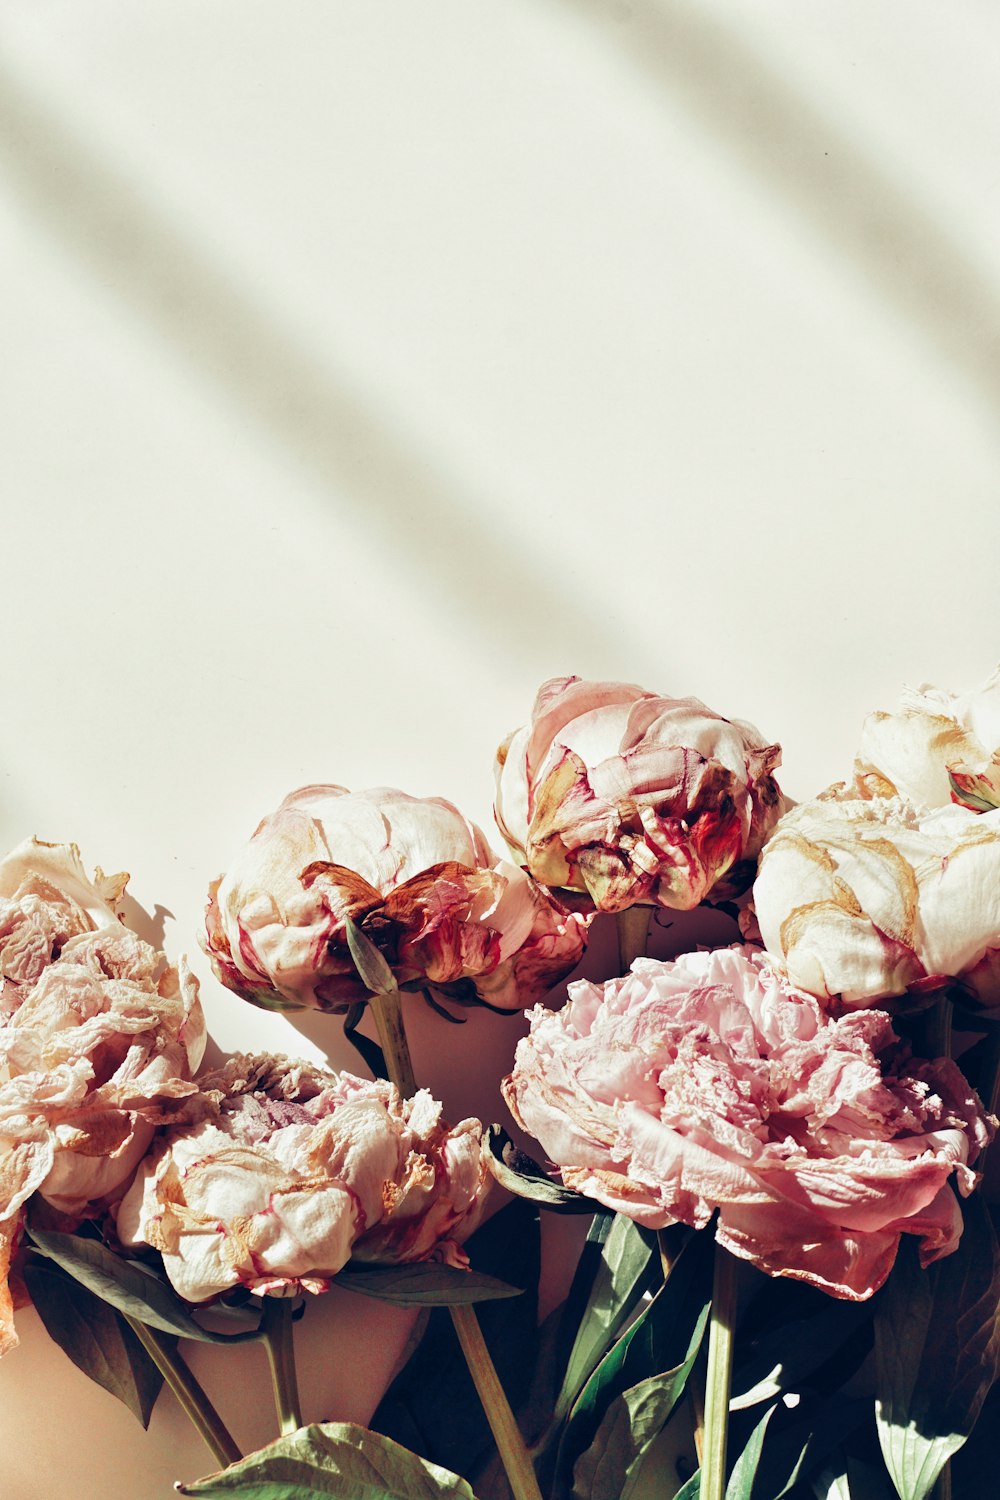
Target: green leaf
937, 1352
425, 1284
741, 1480
633, 1421
660, 1347
521, 1175
690, 1489
333, 1459
94, 1336
740, 1486
832, 1483
125, 1284
628, 1267
783, 1356
375, 973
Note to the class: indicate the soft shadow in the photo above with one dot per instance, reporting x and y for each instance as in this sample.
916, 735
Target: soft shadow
387, 479
799, 154
150, 926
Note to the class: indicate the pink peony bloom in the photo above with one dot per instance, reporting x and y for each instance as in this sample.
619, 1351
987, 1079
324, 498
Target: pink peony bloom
864, 900
936, 748
295, 1170
709, 1083
634, 798
98, 1041
418, 878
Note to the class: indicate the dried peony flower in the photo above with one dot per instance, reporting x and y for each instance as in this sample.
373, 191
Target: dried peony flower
865, 900
297, 1169
98, 1041
634, 798
938, 747
418, 878
709, 1083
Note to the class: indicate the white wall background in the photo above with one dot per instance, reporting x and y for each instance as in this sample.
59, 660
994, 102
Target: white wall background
366, 363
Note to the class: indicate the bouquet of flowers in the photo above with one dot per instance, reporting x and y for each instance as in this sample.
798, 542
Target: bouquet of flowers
773, 1144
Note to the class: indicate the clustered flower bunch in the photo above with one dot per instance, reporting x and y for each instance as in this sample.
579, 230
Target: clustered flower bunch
790, 1269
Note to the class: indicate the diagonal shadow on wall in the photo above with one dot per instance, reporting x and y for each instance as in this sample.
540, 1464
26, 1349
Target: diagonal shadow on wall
393, 486
801, 156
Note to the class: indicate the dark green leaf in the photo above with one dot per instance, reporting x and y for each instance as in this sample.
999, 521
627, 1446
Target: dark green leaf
740, 1486
333, 1459
125, 1284
521, 1175
937, 1349
94, 1336
633, 1421
832, 1483
375, 973
425, 1284
662, 1342
741, 1479
785, 1355
432, 1406
629, 1266
370, 1052
802, 1440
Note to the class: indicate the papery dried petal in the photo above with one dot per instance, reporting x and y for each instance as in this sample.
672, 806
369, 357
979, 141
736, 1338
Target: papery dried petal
419, 880
710, 1084
631, 797
294, 1170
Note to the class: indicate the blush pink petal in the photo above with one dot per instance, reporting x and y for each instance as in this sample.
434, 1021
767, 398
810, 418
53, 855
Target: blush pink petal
99, 1040
710, 1084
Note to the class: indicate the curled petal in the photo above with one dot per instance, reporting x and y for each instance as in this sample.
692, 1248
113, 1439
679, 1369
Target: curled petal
631, 797
709, 1084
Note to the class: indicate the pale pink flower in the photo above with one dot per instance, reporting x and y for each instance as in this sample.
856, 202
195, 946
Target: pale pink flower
98, 1043
630, 797
297, 1169
937, 747
709, 1083
864, 900
418, 878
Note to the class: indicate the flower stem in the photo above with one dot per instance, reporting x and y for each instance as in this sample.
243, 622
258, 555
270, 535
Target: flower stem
935, 1030
189, 1393
277, 1328
510, 1444
388, 1012
717, 1381
633, 934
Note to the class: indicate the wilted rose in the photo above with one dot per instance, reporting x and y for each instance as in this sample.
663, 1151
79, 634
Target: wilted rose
632, 797
937, 747
863, 901
295, 1170
417, 877
709, 1083
98, 1043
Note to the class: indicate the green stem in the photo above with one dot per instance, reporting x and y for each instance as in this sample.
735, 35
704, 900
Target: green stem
388, 1012
633, 934
717, 1381
506, 1434
935, 1030
189, 1393
276, 1324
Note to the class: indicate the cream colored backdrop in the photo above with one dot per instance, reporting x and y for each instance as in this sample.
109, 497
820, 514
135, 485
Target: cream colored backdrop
365, 363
